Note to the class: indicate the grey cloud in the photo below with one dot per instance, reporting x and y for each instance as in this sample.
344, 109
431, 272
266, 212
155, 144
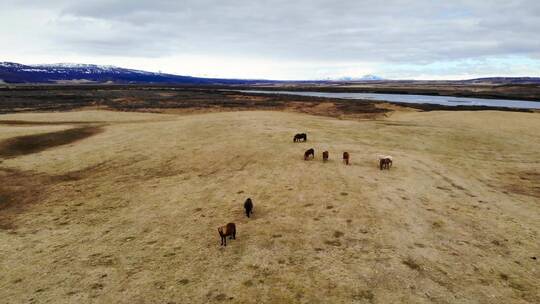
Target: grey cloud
395, 31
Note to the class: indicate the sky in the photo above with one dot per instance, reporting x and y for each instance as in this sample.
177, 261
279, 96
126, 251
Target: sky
280, 39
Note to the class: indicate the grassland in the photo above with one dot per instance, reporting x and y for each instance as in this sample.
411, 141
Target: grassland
123, 207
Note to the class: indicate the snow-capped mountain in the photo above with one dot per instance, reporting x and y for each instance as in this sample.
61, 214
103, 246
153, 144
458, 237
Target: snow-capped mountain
90, 73
363, 78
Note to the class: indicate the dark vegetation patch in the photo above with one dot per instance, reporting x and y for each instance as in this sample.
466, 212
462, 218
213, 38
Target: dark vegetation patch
18, 190
364, 295
438, 88
338, 234
333, 243
437, 224
146, 98
43, 123
204, 98
434, 107
29, 144
522, 182
412, 264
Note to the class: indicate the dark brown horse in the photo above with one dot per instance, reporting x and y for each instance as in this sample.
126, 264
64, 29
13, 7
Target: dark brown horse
248, 205
225, 231
300, 137
385, 162
346, 158
308, 153
325, 156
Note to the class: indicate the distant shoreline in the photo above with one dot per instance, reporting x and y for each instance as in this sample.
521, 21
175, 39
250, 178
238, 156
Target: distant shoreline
200, 99
525, 92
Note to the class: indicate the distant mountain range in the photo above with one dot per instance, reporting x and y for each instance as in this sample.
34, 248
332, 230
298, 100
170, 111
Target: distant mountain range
64, 73
89, 73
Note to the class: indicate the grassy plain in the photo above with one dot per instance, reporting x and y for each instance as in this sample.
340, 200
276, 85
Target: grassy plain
123, 207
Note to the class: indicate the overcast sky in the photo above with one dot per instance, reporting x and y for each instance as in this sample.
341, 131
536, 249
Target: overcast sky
289, 39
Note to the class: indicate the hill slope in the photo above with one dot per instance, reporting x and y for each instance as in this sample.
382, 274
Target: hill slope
89, 73
130, 214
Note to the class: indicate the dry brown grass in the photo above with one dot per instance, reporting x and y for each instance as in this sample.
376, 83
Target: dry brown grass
130, 214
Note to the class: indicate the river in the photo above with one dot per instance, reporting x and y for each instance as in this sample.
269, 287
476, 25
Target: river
409, 98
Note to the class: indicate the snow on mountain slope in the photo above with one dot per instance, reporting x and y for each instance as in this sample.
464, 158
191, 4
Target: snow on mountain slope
59, 73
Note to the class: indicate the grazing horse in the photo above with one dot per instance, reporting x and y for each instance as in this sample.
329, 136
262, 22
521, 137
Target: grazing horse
225, 231
309, 153
300, 137
385, 162
346, 158
248, 205
325, 156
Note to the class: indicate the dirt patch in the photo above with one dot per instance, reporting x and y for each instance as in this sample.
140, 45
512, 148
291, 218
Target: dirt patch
522, 182
412, 264
29, 144
18, 190
366, 295
338, 234
21, 189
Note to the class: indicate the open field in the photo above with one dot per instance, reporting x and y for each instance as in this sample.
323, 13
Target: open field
523, 91
123, 207
203, 99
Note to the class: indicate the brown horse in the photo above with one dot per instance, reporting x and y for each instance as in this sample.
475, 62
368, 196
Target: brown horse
225, 231
346, 158
325, 156
308, 153
385, 162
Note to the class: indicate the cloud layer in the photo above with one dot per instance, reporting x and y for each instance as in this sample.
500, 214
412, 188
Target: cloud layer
301, 39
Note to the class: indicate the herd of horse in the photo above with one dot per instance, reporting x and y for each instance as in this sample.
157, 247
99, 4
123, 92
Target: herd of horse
385, 162
229, 230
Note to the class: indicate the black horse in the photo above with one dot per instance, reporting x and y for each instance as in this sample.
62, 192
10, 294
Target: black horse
385, 163
248, 205
300, 137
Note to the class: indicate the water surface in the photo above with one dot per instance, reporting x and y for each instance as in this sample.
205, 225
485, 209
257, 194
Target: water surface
409, 98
